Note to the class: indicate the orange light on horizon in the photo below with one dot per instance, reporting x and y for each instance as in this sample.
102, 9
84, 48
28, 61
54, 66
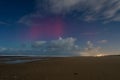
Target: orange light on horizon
99, 55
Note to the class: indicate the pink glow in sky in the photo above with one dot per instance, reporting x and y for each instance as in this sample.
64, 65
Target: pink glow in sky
47, 28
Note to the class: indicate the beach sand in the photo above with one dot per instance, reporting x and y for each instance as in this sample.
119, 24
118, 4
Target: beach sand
66, 68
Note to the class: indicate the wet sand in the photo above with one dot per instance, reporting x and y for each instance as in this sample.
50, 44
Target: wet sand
69, 68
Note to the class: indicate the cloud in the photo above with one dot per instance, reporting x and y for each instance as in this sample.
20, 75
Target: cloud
59, 6
116, 18
91, 50
4, 23
28, 19
103, 41
89, 18
114, 7
68, 47
61, 46
38, 44
92, 10
85, 10
3, 49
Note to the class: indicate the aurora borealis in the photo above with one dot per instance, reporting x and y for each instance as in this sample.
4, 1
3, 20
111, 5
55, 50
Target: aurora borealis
76, 22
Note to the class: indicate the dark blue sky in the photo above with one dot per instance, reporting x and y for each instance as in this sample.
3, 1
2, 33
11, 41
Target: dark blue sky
25, 21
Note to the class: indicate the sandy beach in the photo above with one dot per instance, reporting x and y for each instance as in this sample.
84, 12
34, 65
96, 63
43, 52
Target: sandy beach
64, 68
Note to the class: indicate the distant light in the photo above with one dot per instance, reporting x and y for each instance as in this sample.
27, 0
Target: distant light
99, 55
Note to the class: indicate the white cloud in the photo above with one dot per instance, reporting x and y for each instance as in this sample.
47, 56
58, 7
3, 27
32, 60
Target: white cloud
3, 49
93, 9
28, 19
116, 18
89, 18
91, 50
103, 41
61, 46
67, 46
114, 7
38, 44
59, 6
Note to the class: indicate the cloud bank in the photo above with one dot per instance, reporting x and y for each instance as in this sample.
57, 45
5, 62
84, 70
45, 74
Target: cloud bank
91, 50
104, 11
92, 10
59, 47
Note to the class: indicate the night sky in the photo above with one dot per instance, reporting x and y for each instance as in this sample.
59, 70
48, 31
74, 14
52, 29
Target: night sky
60, 27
